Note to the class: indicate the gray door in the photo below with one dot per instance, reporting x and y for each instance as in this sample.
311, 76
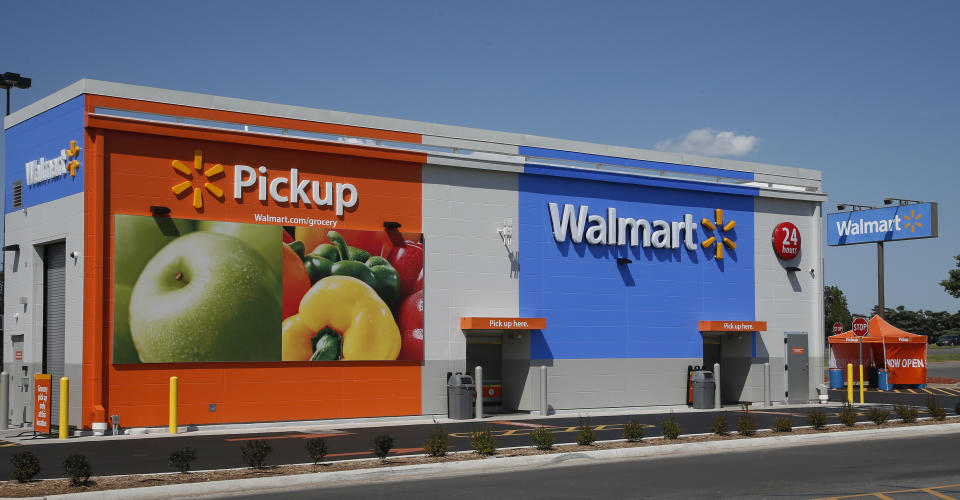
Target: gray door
54, 320
798, 368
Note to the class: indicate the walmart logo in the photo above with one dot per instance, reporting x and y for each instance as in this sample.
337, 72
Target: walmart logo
596, 229
183, 188
44, 170
718, 227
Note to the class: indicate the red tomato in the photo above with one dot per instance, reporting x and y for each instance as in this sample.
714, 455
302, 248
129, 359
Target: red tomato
408, 261
419, 285
296, 281
410, 321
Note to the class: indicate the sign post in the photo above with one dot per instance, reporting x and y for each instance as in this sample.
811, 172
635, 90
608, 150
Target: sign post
41, 404
860, 326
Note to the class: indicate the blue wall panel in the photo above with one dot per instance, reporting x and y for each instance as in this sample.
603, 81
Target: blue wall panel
45, 136
596, 308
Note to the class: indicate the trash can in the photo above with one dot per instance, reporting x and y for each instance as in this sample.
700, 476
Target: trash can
836, 378
460, 396
704, 386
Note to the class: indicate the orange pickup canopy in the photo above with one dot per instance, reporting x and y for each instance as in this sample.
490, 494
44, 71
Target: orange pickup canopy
475, 323
885, 346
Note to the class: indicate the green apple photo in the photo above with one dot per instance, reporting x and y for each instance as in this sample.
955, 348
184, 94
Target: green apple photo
139, 238
207, 296
196, 291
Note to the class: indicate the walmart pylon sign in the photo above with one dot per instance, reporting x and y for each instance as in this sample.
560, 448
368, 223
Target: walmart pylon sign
901, 222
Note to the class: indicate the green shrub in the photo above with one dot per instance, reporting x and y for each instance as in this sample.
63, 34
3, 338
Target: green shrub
936, 411
782, 424
817, 419
907, 414
254, 453
542, 438
382, 445
671, 428
482, 441
180, 459
633, 431
719, 425
878, 415
747, 426
77, 469
847, 415
436, 445
26, 465
316, 449
586, 436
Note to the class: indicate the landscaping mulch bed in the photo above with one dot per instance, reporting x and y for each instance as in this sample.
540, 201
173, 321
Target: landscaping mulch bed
61, 486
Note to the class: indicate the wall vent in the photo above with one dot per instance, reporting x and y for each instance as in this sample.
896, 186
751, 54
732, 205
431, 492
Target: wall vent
17, 198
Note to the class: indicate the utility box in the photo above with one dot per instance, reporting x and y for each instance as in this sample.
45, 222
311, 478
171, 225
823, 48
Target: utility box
704, 386
460, 396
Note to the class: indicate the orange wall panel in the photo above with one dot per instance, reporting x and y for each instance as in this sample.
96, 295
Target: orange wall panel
137, 173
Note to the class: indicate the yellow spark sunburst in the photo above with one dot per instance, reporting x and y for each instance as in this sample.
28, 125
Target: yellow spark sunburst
179, 188
73, 153
912, 218
718, 214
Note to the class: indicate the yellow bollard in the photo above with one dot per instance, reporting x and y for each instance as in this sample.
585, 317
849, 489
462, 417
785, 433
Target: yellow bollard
861, 384
850, 383
64, 407
174, 400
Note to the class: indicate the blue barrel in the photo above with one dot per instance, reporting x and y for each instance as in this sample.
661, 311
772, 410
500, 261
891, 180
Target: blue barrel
883, 380
836, 378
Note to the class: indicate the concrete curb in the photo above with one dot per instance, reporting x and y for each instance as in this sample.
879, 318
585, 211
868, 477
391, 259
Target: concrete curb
497, 464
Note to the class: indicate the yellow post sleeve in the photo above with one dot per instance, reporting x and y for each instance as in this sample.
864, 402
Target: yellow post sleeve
174, 403
862, 388
64, 407
850, 383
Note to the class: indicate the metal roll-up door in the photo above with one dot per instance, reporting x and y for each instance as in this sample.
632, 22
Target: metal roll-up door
54, 320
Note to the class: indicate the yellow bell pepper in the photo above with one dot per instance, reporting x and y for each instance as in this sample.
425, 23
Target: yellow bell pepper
295, 340
354, 309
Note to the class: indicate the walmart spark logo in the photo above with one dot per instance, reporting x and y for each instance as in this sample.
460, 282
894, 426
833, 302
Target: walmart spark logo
911, 219
72, 155
720, 241
211, 172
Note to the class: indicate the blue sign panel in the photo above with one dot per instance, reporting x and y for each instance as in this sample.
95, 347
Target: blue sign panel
627, 270
901, 222
45, 153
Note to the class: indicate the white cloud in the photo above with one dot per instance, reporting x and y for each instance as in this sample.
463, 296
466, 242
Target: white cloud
710, 142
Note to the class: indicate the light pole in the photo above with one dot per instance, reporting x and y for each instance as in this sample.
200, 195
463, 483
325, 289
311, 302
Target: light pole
8, 80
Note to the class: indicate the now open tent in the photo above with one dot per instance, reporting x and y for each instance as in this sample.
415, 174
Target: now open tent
904, 354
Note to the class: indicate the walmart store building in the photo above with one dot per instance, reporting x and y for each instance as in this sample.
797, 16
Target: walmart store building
152, 233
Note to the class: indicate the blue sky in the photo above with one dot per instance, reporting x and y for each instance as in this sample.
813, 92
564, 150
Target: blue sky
865, 91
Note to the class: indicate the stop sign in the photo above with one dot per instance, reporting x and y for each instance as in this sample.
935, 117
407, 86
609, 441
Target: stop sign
860, 327
837, 328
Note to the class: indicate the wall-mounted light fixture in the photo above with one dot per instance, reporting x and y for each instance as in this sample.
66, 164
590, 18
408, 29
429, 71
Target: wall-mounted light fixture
13, 247
505, 231
854, 207
623, 260
74, 255
793, 269
389, 224
900, 201
159, 210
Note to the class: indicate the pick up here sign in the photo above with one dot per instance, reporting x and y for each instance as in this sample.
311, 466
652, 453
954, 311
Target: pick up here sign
902, 222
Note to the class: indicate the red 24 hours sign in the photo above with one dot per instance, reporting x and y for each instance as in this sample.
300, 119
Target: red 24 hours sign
786, 241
